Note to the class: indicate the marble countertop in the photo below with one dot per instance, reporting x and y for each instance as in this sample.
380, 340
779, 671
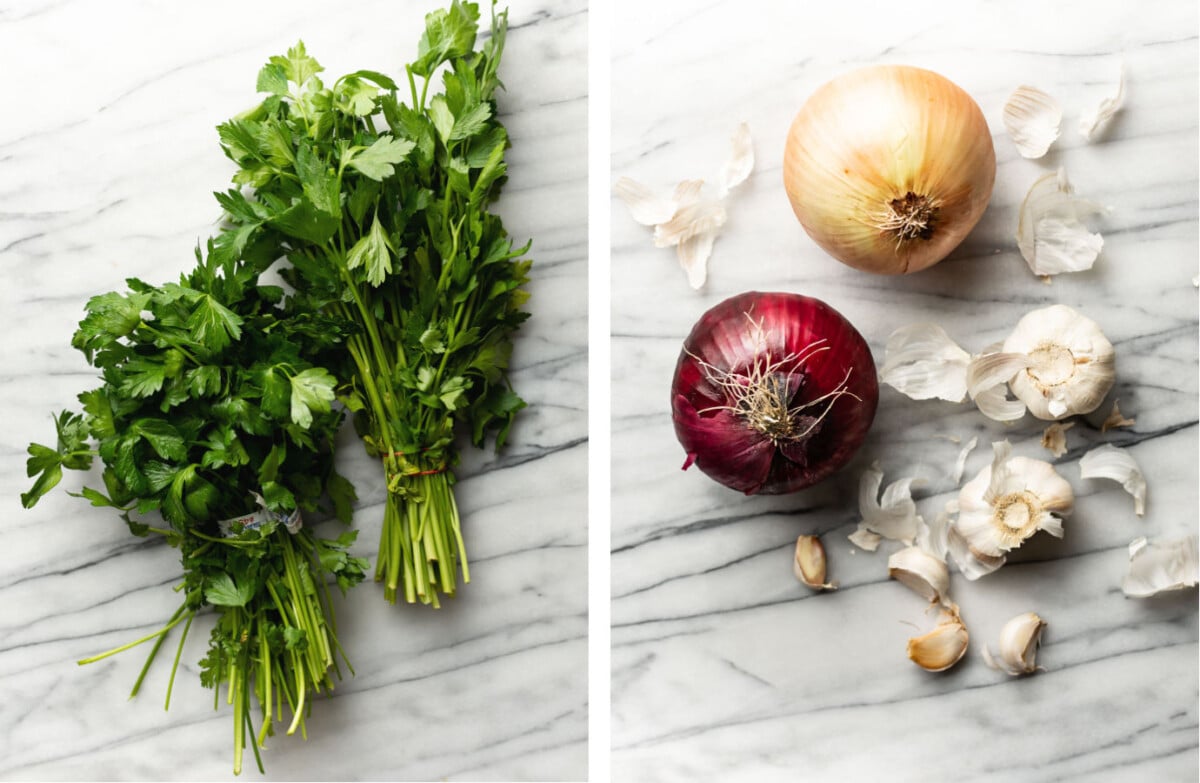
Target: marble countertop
724, 666
108, 157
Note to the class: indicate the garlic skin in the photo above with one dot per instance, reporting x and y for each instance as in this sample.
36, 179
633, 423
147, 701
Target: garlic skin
889, 167
1111, 462
1070, 363
809, 563
1093, 121
1032, 119
1050, 233
1161, 566
922, 362
1116, 419
1054, 438
1019, 640
894, 516
920, 572
1003, 506
942, 647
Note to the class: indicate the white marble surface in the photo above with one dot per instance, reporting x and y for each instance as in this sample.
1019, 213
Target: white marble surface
108, 156
724, 667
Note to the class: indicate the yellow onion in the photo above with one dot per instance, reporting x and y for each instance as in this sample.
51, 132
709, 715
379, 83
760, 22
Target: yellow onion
889, 167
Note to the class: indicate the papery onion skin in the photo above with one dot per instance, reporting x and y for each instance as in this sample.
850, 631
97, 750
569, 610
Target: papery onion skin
887, 140
723, 443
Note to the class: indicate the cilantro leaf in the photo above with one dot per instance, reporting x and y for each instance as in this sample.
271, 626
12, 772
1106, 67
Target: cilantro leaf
378, 160
312, 390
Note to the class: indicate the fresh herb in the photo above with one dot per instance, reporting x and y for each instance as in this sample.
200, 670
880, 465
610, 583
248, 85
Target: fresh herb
211, 404
381, 208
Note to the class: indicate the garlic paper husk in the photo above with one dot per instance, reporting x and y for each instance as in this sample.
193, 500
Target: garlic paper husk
1054, 437
689, 220
921, 572
889, 167
987, 376
942, 647
922, 362
864, 539
1115, 419
1050, 233
1092, 122
893, 516
1070, 363
809, 563
960, 464
1161, 566
1019, 642
934, 537
1111, 462
1003, 506
1032, 119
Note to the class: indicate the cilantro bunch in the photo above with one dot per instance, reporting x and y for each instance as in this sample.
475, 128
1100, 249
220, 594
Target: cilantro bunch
211, 404
382, 210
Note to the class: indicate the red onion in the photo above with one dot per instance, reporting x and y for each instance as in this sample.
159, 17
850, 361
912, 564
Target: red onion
773, 392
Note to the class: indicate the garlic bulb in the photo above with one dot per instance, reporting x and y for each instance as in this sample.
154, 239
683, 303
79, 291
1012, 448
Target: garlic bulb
809, 563
942, 647
1070, 363
1005, 504
1019, 640
920, 572
889, 167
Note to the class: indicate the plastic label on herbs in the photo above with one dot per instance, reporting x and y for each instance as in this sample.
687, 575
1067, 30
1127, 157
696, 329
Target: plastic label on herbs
254, 520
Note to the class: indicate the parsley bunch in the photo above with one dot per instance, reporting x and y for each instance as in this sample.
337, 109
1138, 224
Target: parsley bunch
211, 396
381, 208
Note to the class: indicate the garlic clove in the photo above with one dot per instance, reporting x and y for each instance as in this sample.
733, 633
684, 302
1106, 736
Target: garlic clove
942, 647
1114, 463
1050, 235
809, 563
1032, 119
865, 539
1160, 566
741, 160
893, 516
1071, 366
1054, 437
1092, 121
920, 572
644, 205
922, 363
1019, 641
1115, 419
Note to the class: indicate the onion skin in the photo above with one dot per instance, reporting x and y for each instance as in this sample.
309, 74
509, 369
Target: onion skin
723, 443
864, 142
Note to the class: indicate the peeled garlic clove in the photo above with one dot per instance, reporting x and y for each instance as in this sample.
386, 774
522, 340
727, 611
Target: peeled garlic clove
1071, 363
809, 563
1050, 235
1032, 119
942, 647
1110, 462
1159, 566
920, 572
1092, 121
1019, 640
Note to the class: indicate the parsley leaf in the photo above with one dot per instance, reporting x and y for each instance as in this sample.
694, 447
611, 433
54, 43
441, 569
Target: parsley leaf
312, 391
378, 160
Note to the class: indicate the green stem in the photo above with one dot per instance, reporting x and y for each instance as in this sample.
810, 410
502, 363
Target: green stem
178, 653
175, 618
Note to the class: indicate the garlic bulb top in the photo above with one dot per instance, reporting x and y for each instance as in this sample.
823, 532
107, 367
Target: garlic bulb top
1009, 501
1070, 363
